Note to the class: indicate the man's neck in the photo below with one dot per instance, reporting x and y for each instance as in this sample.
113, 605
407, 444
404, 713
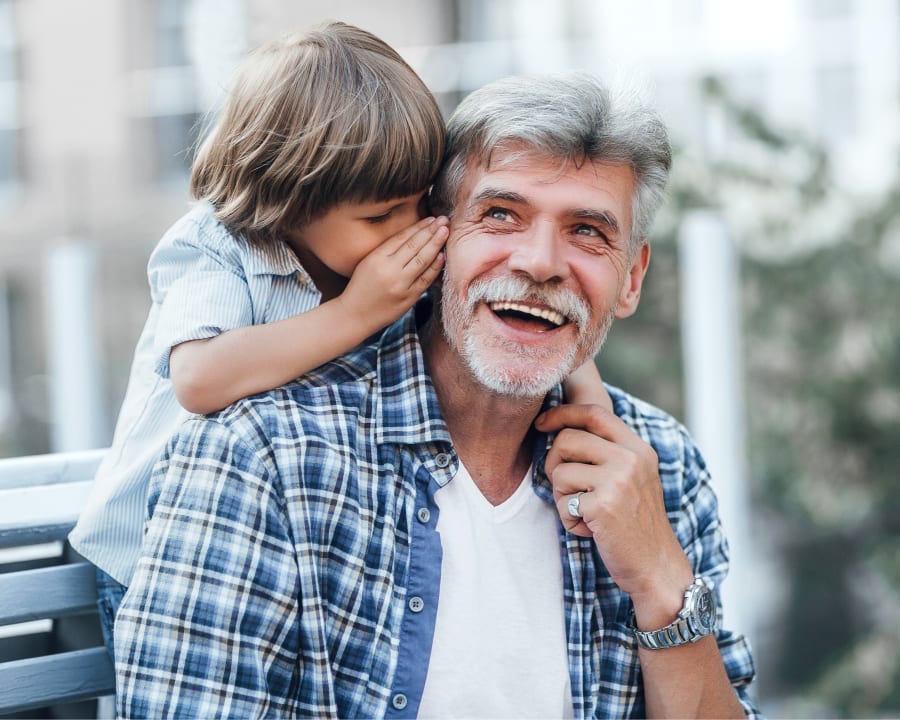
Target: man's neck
492, 434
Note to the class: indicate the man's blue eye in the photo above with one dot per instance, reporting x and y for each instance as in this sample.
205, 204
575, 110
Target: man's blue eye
499, 214
587, 230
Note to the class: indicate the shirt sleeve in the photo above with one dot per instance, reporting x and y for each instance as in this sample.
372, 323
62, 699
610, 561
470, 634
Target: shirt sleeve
201, 291
707, 549
208, 627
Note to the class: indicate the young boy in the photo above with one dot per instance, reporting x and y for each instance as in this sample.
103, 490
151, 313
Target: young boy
314, 173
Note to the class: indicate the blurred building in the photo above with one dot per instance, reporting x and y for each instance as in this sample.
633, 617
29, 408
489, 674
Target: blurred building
827, 68
100, 102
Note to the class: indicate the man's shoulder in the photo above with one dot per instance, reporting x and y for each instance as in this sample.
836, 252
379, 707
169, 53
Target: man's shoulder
667, 435
634, 409
377, 390
682, 468
314, 400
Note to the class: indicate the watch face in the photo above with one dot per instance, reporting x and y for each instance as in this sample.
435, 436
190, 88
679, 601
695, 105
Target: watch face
705, 608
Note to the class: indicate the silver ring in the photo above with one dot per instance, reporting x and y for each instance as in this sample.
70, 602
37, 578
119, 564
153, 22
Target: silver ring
575, 504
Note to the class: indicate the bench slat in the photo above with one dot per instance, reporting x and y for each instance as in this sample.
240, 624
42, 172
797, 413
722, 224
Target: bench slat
49, 469
40, 512
40, 499
49, 592
66, 677
22, 536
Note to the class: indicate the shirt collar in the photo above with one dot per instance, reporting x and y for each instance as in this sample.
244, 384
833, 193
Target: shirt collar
409, 411
542, 443
274, 257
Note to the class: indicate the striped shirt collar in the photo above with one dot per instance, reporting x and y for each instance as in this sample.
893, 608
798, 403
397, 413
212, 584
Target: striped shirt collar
274, 258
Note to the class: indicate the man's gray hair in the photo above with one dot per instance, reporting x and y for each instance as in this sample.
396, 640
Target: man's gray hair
571, 116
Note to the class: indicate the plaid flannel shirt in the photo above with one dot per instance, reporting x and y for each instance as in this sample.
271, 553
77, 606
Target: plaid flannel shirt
287, 539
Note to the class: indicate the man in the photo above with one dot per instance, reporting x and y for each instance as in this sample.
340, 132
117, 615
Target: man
383, 536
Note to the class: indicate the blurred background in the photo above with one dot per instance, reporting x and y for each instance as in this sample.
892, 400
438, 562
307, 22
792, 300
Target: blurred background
769, 321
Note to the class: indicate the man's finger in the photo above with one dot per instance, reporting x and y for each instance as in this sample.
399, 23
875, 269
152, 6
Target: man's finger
595, 419
572, 514
580, 447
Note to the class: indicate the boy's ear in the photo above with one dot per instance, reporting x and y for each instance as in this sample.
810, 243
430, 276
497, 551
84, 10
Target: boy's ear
630, 295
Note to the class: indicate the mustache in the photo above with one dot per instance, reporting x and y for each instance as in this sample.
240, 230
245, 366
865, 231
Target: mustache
520, 289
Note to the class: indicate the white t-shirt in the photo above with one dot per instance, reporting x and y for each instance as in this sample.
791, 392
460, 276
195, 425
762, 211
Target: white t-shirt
500, 644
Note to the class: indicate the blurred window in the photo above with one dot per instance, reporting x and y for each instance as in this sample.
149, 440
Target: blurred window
173, 131
830, 8
749, 88
174, 135
836, 101
9, 96
171, 48
486, 20
166, 99
679, 99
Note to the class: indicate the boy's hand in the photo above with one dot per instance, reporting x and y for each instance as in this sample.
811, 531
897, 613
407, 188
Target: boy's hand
389, 280
584, 387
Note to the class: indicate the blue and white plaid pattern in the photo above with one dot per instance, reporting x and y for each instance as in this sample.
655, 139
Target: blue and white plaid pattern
285, 536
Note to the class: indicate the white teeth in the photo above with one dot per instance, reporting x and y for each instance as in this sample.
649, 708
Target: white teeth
550, 316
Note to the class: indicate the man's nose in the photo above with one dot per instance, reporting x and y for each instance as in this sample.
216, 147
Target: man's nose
540, 254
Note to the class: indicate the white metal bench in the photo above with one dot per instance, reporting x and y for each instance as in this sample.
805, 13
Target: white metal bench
40, 666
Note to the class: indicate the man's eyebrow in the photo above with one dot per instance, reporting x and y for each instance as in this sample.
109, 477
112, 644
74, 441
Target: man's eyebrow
493, 193
600, 217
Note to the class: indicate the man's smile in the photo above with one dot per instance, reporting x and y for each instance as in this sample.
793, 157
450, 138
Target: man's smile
525, 315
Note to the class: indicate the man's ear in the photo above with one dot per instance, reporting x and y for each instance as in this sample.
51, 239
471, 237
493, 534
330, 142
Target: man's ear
630, 295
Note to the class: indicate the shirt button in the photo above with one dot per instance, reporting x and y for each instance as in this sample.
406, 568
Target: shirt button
399, 701
442, 460
416, 604
424, 515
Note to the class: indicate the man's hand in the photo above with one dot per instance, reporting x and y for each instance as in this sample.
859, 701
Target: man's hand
621, 506
389, 280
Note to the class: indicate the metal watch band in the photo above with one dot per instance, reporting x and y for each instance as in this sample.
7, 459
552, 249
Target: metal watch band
696, 619
677, 633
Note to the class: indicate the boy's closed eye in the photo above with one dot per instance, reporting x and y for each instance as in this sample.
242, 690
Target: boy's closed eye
376, 219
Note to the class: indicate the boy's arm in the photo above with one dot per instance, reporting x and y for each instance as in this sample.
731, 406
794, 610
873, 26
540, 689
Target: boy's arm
212, 373
585, 387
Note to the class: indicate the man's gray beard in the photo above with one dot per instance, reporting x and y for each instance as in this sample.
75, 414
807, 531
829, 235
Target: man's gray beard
456, 321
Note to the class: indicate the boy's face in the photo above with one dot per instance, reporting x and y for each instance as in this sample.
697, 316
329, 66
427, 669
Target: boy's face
348, 232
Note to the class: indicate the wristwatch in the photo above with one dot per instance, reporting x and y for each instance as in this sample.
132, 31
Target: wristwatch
696, 619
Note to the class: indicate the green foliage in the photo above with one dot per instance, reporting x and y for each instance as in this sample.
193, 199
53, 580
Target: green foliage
820, 295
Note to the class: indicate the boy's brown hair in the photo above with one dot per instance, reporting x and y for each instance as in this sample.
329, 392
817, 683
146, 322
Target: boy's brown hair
313, 120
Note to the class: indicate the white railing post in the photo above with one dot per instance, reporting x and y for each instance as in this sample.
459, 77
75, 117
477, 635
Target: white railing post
75, 391
713, 388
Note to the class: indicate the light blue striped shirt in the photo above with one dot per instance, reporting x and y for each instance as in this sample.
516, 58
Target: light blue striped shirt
203, 281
